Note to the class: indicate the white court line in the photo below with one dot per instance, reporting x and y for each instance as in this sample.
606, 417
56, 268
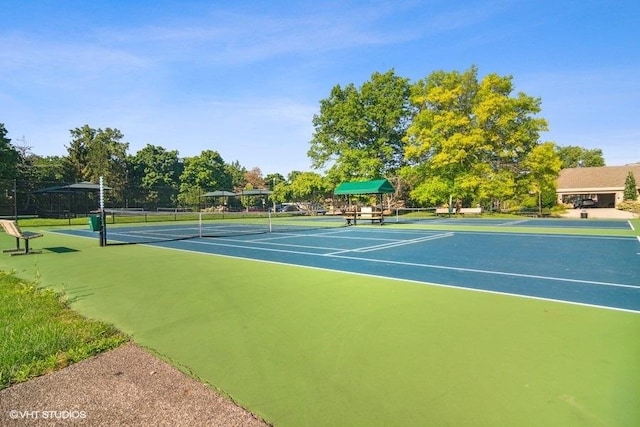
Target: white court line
430, 266
392, 244
402, 243
201, 242
280, 236
267, 242
506, 224
490, 272
550, 236
631, 225
464, 288
562, 301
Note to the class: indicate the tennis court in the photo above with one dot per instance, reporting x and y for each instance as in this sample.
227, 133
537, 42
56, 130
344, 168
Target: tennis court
593, 270
510, 222
401, 324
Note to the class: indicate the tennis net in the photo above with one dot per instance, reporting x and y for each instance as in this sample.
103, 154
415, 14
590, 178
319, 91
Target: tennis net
131, 227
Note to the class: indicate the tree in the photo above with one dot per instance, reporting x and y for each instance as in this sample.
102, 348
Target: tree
359, 131
9, 156
95, 152
154, 176
541, 167
310, 186
469, 137
36, 173
254, 178
573, 156
49, 169
237, 173
77, 152
206, 172
630, 187
292, 176
273, 179
282, 192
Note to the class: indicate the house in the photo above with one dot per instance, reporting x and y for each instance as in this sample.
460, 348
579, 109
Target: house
604, 184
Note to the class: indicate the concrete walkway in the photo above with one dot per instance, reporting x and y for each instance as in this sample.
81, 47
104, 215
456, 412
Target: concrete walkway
600, 213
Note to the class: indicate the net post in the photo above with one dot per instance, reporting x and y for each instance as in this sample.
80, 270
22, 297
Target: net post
103, 215
200, 225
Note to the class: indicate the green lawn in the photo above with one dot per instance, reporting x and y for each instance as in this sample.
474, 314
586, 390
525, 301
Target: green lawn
301, 346
40, 333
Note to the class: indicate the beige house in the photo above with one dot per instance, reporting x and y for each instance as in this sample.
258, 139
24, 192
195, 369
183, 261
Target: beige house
604, 184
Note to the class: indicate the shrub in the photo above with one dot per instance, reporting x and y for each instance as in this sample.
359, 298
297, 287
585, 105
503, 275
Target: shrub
630, 206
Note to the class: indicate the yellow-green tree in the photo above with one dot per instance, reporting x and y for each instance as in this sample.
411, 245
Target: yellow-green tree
540, 170
310, 186
469, 137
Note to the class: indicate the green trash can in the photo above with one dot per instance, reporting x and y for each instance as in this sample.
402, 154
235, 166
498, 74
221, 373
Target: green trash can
94, 223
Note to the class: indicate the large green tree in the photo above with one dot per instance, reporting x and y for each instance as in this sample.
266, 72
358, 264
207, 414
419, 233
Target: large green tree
154, 174
237, 173
93, 153
469, 137
36, 173
358, 132
203, 173
50, 169
573, 156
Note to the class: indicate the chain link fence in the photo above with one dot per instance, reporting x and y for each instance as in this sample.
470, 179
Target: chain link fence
53, 199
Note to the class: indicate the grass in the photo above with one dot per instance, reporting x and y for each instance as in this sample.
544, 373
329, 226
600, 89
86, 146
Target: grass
300, 346
40, 333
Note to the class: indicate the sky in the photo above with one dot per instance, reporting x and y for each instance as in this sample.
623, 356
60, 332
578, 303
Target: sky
245, 78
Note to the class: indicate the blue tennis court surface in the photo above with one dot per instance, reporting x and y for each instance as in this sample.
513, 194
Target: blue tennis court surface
598, 271
520, 222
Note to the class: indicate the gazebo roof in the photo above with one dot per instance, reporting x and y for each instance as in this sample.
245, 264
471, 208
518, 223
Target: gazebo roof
79, 187
377, 186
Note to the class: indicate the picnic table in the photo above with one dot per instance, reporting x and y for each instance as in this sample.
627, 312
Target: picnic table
364, 213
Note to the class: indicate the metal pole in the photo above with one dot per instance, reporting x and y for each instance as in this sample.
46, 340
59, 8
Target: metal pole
15, 200
540, 202
103, 217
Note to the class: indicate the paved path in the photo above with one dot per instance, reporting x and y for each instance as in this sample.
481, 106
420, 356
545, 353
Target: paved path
600, 213
123, 387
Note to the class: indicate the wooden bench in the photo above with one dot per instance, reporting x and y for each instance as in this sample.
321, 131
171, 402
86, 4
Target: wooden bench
462, 211
366, 213
369, 213
12, 229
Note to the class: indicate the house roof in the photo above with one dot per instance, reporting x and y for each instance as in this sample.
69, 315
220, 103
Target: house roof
598, 177
377, 186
